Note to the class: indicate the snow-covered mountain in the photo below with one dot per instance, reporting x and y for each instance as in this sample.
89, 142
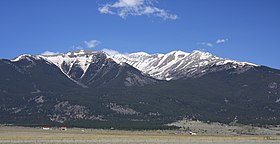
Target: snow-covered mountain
88, 86
179, 64
171, 66
91, 68
76, 63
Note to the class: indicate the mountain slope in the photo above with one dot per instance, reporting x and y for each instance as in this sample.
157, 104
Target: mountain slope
93, 68
179, 64
251, 97
44, 75
91, 89
13, 77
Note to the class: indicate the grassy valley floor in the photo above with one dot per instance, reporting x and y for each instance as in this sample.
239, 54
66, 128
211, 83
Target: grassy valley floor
76, 135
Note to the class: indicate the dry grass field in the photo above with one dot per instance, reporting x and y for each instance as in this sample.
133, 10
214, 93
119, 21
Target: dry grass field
53, 136
216, 128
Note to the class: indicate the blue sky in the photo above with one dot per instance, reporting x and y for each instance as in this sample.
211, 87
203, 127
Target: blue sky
245, 30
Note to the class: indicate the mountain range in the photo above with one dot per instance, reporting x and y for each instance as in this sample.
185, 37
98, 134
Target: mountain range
95, 89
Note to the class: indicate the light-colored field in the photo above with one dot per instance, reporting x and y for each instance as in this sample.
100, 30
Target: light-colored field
215, 128
37, 135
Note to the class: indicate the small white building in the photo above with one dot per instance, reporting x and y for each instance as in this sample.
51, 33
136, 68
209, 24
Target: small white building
46, 127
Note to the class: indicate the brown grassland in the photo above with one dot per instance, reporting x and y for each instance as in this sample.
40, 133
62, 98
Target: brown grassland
76, 135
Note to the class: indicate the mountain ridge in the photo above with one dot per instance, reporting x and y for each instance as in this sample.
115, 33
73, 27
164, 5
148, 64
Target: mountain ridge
34, 89
171, 66
168, 66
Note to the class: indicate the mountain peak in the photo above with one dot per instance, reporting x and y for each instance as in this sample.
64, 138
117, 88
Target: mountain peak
198, 51
177, 53
25, 56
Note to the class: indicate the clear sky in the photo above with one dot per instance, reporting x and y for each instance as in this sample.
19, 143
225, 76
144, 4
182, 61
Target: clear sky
245, 30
